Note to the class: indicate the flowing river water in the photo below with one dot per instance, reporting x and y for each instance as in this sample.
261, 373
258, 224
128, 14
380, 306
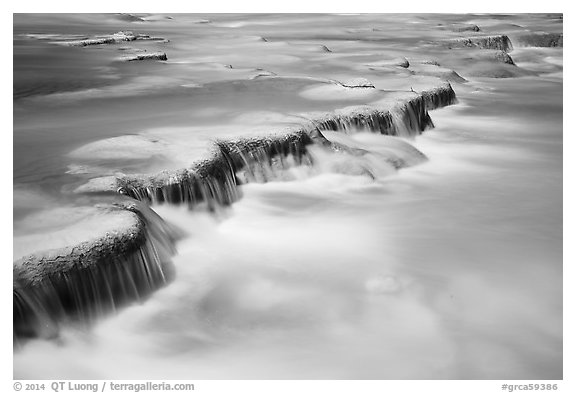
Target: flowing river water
340, 266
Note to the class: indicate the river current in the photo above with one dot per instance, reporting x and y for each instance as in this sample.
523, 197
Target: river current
340, 267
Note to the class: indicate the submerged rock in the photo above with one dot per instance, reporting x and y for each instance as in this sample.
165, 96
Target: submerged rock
147, 56
439, 72
485, 63
126, 146
131, 49
130, 18
398, 62
430, 62
461, 27
262, 73
333, 90
155, 18
121, 36
358, 83
396, 152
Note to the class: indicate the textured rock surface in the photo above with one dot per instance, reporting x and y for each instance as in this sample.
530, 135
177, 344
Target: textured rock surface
88, 279
119, 37
358, 83
213, 179
147, 56
503, 57
500, 42
439, 97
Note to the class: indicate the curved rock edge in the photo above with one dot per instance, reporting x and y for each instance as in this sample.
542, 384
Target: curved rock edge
213, 180
94, 277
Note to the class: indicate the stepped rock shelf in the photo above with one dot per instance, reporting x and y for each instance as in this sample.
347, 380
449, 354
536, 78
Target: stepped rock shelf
82, 277
128, 262
213, 179
125, 260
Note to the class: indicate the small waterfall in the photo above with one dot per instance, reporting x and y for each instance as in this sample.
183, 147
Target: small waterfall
260, 159
411, 118
407, 118
211, 180
215, 180
161, 56
83, 282
439, 97
365, 119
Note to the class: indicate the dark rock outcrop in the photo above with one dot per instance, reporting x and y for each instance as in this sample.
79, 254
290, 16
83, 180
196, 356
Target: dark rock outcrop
147, 56
500, 42
213, 180
358, 83
406, 118
84, 281
439, 97
87, 280
503, 57
119, 37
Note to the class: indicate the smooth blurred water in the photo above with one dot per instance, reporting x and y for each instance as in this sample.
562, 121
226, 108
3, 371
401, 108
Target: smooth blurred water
451, 269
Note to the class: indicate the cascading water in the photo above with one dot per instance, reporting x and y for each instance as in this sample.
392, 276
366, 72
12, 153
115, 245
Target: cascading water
265, 208
213, 180
93, 278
